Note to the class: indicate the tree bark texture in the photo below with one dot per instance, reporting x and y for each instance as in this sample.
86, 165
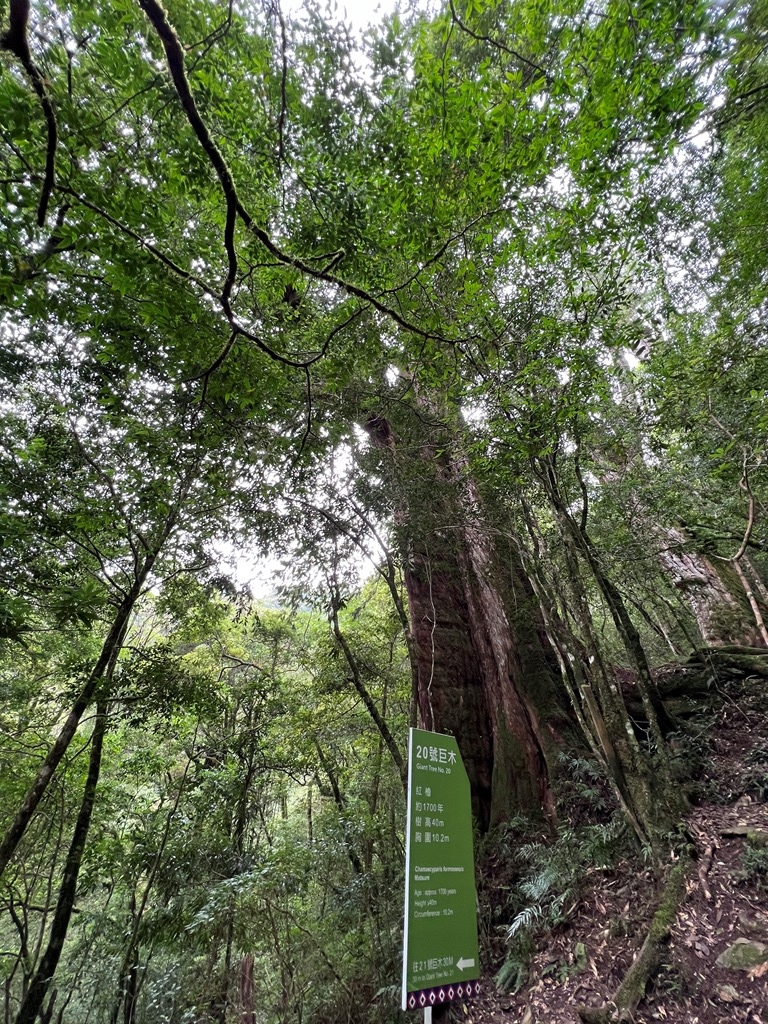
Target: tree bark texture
247, 1009
484, 669
719, 614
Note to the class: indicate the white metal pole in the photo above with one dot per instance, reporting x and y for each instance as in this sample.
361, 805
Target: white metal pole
427, 1015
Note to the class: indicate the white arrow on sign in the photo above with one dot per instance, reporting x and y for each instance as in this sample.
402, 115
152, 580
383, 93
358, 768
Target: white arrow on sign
461, 964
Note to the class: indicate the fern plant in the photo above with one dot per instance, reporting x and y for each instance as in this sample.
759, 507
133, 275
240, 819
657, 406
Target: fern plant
555, 869
511, 975
548, 884
544, 876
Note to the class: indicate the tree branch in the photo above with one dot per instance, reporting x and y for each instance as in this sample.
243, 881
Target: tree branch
283, 84
373, 711
174, 53
496, 44
175, 57
15, 41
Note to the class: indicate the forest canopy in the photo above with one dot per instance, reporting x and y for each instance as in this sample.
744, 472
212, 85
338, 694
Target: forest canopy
460, 321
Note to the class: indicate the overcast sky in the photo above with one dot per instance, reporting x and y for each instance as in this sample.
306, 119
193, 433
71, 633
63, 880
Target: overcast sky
359, 13
362, 12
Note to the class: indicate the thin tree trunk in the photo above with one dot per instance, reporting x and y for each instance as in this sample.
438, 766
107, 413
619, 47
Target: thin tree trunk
384, 731
219, 1008
609, 720
129, 968
390, 577
341, 804
760, 587
654, 709
103, 668
247, 1011
759, 620
131, 994
585, 706
44, 975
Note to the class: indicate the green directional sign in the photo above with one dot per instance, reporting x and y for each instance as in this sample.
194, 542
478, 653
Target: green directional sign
440, 954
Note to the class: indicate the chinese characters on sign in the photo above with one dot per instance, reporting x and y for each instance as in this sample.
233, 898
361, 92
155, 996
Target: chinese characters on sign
440, 956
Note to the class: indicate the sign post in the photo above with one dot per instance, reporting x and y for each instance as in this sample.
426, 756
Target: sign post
440, 951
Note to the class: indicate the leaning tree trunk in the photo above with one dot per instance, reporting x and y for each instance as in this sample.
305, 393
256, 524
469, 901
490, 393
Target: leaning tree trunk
30, 1008
484, 669
101, 672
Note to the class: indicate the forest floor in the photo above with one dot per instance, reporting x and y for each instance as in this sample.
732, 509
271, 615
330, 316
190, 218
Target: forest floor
583, 961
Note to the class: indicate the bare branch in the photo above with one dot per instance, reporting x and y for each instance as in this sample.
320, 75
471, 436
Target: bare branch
283, 85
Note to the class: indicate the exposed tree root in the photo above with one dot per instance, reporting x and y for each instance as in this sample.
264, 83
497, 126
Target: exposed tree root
732, 658
622, 1005
704, 865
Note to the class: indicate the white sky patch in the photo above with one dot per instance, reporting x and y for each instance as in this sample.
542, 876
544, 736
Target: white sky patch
560, 181
259, 573
474, 414
263, 573
359, 14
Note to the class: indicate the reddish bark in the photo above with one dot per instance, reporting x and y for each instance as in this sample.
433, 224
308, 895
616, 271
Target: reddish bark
247, 1011
484, 673
450, 691
483, 668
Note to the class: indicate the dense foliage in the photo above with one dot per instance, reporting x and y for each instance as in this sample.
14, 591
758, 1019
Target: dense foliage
460, 321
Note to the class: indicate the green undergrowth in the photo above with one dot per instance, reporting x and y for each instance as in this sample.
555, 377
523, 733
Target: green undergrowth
756, 774
539, 876
754, 863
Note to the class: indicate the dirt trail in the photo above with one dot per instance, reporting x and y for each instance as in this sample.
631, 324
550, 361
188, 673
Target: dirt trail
725, 904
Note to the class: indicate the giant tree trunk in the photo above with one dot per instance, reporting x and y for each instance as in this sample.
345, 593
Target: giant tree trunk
471, 670
484, 670
718, 611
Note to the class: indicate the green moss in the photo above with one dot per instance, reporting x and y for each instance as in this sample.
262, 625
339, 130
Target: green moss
632, 989
743, 955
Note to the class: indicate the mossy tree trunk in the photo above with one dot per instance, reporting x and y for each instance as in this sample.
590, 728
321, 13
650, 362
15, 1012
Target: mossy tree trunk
624, 1002
484, 670
645, 775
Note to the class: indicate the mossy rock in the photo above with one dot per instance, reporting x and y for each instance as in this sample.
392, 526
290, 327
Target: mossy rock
743, 955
